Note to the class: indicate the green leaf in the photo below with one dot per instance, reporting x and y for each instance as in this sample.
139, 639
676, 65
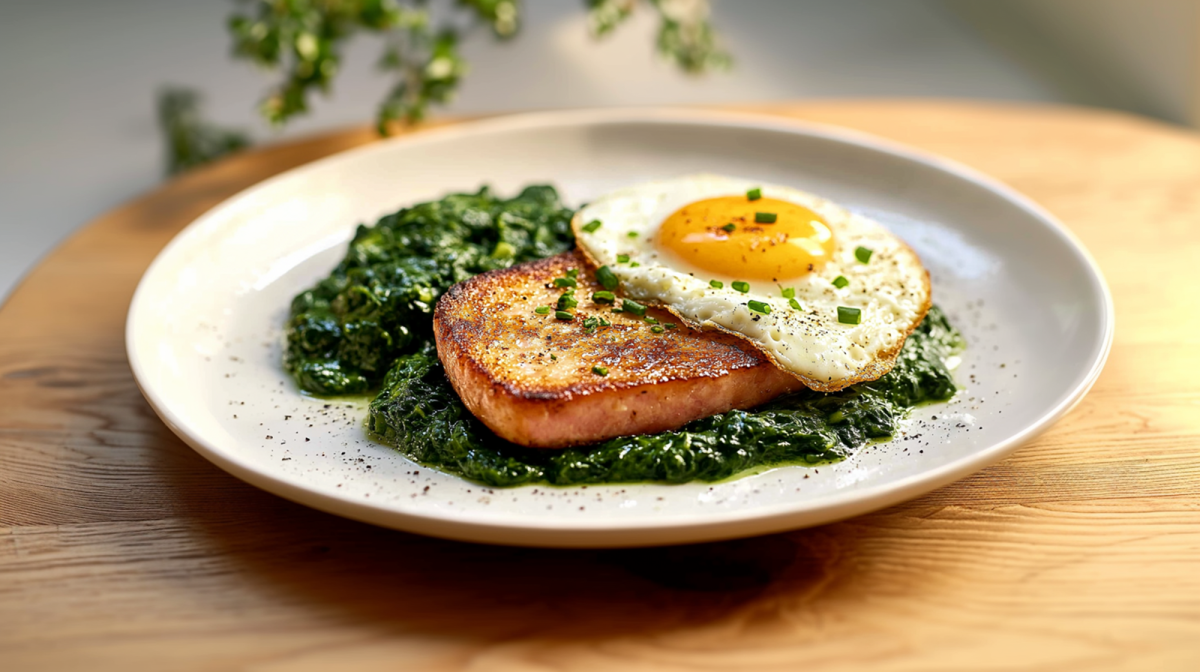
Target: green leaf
304, 40
191, 141
605, 15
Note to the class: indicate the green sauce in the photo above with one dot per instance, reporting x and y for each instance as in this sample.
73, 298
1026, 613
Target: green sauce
373, 315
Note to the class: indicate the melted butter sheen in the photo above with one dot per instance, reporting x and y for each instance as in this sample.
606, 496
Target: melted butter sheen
721, 235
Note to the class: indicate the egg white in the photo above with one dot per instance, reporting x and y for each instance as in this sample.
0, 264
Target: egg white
892, 290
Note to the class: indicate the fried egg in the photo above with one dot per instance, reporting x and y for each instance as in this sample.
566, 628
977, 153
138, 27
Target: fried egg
829, 295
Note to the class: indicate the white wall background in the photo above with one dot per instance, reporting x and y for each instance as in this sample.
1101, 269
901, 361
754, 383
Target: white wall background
1136, 55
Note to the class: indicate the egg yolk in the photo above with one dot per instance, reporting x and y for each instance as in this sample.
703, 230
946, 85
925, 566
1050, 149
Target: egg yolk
764, 239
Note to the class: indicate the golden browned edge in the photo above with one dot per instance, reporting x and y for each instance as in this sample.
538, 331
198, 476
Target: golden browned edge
456, 341
875, 370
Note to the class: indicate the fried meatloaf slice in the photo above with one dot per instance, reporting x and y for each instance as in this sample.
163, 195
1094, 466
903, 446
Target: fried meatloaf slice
531, 378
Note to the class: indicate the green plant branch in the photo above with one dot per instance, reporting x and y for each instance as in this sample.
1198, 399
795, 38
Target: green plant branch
190, 140
305, 40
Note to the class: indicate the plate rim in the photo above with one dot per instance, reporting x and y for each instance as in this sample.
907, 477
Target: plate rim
650, 530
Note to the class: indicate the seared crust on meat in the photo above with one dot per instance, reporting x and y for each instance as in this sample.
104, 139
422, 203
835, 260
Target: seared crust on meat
498, 355
878, 367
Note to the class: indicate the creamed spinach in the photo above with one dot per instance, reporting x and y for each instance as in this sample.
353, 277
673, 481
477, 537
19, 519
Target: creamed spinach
368, 326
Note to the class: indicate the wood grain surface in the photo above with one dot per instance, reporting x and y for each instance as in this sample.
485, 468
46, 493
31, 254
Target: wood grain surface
122, 549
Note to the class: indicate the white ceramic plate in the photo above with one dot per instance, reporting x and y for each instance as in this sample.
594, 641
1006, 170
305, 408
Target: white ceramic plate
204, 329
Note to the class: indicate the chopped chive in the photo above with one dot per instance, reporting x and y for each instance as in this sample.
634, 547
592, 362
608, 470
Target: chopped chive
622, 258
849, 315
552, 356
788, 292
716, 284
590, 323
504, 250
564, 315
591, 226
605, 323
656, 329
632, 234
794, 304
740, 286
729, 227
572, 272
634, 265
863, 254
651, 320
754, 194
840, 282
542, 310
565, 282
670, 325
633, 307
607, 278
759, 307
604, 297
765, 217
600, 370
566, 301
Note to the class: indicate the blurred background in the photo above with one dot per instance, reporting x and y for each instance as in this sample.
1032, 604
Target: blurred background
79, 78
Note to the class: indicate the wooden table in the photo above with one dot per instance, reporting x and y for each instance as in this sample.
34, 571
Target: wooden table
122, 549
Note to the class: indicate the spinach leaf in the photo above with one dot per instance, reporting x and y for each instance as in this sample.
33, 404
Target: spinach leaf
377, 305
419, 413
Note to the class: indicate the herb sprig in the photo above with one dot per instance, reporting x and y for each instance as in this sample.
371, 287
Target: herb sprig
305, 41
